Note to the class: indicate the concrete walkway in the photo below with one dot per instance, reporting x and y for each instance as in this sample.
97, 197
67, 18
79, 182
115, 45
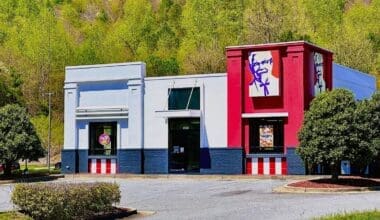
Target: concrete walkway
222, 198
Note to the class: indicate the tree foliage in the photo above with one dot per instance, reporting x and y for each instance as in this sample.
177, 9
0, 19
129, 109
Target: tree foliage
336, 128
209, 26
18, 138
39, 38
367, 133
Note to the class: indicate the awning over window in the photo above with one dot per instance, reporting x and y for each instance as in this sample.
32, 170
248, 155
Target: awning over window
190, 113
101, 112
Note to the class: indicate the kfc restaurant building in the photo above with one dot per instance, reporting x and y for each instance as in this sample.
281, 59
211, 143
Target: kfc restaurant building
243, 121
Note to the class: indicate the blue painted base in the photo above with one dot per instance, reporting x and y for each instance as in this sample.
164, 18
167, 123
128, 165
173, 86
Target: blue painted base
83, 161
156, 161
212, 161
129, 160
295, 165
68, 161
221, 161
74, 161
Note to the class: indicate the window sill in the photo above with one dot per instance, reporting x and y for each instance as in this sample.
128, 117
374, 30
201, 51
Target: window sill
101, 156
256, 155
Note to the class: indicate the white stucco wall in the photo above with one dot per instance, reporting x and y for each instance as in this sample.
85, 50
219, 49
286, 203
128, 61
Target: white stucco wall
104, 93
122, 86
213, 106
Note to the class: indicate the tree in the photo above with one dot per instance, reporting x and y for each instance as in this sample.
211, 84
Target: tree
209, 26
323, 20
164, 60
326, 136
367, 134
355, 44
8, 86
265, 21
18, 139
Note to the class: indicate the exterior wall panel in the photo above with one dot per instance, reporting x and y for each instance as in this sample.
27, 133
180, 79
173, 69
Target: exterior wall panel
68, 161
156, 161
83, 161
110, 94
222, 161
104, 93
294, 163
290, 62
129, 161
213, 108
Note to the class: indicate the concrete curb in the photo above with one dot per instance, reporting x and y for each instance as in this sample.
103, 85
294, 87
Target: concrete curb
292, 189
191, 176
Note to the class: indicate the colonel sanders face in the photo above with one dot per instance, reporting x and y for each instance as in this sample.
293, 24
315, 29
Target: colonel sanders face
261, 65
263, 83
319, 82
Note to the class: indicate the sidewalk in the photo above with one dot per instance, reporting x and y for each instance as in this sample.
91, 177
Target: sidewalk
196, 176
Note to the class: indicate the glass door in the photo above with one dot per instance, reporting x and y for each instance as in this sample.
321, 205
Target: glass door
184, 145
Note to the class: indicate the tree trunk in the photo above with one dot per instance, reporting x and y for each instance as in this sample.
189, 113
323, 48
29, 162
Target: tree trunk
335, 171
8, 169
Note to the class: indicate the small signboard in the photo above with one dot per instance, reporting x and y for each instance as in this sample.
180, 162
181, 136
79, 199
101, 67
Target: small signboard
266, 136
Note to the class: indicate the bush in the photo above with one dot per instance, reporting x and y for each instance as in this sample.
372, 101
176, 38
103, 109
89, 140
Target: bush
66, 201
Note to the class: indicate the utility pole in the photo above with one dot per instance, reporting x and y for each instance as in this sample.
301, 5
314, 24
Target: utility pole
49, 93
49, 132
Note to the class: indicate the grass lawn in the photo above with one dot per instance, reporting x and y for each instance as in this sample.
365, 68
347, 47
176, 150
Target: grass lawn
39, 169
33, 170
13, 215
354, 216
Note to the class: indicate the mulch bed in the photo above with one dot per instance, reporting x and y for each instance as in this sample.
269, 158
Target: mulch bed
116, 213
343, 182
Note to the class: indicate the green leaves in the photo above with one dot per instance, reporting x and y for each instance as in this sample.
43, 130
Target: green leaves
39, 38
66, 201
337, 128
18, 139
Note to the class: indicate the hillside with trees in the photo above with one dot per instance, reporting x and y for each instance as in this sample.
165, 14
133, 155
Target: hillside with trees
39, 38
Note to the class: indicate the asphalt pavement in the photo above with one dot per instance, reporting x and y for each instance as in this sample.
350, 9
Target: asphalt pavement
221, 198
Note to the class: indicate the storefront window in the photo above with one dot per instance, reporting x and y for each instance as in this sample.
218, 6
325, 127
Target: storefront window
102, 138
184, 98
267, 136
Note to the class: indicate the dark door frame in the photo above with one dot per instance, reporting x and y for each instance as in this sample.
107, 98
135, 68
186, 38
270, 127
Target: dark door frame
193, 125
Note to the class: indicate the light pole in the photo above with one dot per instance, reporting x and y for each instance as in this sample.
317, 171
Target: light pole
49, 94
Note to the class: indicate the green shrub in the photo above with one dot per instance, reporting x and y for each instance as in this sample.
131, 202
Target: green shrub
65, 201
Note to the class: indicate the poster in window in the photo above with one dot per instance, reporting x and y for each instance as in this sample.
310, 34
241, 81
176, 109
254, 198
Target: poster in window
105, 140
266, 136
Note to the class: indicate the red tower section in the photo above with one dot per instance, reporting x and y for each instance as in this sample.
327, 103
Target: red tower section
269, 88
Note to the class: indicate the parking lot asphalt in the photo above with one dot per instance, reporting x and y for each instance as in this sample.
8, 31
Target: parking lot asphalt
221, 198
